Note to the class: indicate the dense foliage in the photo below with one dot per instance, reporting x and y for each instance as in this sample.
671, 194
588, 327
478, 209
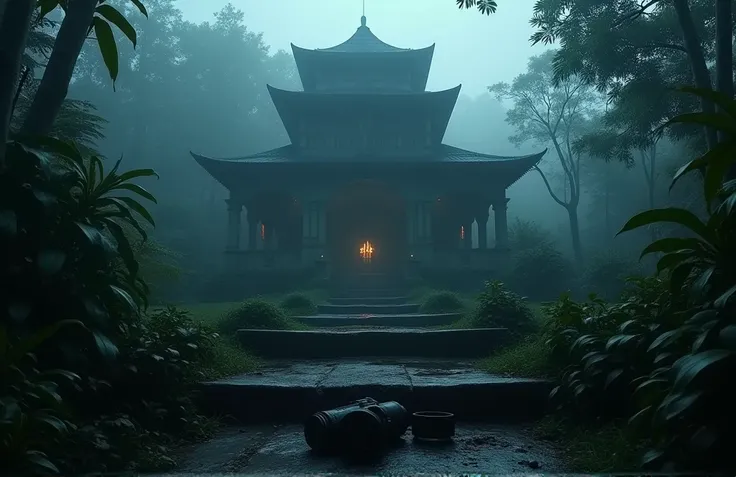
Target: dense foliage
500, 308
665, 355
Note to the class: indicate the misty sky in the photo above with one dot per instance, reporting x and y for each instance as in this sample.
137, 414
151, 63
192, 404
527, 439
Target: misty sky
471, 48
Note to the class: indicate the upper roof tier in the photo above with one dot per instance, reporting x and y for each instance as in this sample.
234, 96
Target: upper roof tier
363, 41
363, 63
323, 115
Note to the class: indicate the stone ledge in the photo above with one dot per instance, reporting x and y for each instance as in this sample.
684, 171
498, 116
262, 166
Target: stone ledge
370, 309
326, 344
408, 321
369, 300
509, 401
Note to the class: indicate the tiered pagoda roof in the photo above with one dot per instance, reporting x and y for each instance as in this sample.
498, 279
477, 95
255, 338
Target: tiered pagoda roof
363, 53
366, 76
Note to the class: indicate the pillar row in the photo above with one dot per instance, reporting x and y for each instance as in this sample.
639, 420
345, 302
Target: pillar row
482, 220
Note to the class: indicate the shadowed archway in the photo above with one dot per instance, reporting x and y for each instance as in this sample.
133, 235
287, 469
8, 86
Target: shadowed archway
367, 213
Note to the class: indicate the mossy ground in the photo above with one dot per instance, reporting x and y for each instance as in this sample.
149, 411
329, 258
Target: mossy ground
590, 449
230, 358
585, 449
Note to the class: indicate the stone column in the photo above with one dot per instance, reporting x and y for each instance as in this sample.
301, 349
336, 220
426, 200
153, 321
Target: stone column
482, 219
501, 223
234, 208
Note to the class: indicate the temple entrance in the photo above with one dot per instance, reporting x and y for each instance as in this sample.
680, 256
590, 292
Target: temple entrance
366, 229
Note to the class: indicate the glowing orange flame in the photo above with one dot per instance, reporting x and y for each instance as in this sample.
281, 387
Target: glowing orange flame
366, 250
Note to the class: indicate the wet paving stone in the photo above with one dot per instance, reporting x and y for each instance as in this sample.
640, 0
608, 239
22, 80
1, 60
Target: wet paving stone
477, 448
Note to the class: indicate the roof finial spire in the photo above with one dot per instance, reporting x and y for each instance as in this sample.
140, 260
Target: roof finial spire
363, 19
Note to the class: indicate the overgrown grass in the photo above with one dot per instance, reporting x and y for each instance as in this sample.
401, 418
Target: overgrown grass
230, 359
608, 448
213, 312
528, 358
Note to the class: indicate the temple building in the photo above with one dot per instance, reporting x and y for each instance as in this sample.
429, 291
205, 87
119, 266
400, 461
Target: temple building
367, 181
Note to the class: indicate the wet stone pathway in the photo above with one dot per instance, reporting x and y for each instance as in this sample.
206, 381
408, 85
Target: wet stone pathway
265, 409
477, 448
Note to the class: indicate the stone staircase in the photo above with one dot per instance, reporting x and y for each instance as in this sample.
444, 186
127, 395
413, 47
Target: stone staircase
370, 340
373, 305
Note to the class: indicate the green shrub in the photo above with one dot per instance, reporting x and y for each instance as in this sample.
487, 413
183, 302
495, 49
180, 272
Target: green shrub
606, 275
255, 314
499, 307
541, 272
442, 302
298, 304
145, 400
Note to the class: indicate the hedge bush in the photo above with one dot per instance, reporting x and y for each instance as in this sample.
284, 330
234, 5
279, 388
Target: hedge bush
256, 314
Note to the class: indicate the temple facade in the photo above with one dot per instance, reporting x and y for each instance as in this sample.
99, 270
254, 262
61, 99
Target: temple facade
367, 182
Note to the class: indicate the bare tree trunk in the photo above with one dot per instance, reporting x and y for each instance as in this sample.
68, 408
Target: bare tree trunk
701, 75
55, 83
14, 27
577, 247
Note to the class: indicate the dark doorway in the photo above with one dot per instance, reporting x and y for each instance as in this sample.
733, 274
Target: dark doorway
366, 230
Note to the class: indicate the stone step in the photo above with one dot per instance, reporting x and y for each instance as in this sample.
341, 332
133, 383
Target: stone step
417, 320
368, 309
292, 391
367, 292
368, 300
328, 344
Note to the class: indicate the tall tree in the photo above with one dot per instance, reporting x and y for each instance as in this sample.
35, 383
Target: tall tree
81, 17
578, 21
547, 112
15, 24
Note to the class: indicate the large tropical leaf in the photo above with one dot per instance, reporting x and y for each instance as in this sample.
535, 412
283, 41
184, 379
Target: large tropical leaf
672, 215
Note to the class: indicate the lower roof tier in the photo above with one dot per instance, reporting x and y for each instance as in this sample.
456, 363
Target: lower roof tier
447, 161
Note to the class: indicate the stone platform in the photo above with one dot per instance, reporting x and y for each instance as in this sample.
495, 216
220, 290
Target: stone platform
368, 300
291, 391
416, 320
267, 450
369, 309
327, 344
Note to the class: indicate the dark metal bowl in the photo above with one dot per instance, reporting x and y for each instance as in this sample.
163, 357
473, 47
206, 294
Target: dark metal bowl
433, 426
